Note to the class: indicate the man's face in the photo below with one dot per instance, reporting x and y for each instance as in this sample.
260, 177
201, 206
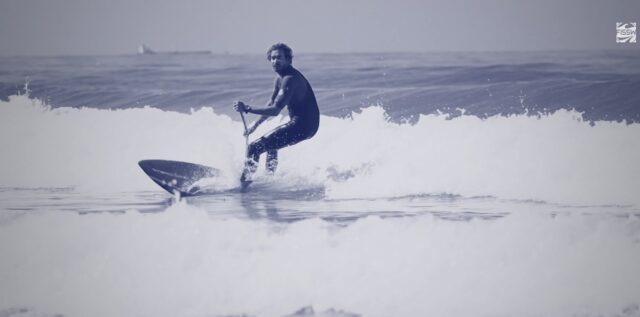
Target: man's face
278, 61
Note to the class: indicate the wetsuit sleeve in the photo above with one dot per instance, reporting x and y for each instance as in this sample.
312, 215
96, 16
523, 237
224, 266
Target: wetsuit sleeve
283, 95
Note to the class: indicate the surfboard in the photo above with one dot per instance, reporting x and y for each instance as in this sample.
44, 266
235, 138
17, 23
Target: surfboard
177, 177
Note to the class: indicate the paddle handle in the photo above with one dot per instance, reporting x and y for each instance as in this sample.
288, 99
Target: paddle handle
246, 137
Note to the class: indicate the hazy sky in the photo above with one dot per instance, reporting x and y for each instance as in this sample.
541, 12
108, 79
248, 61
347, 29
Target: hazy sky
43, 27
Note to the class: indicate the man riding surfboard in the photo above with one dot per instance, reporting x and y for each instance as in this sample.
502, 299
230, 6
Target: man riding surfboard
291, 89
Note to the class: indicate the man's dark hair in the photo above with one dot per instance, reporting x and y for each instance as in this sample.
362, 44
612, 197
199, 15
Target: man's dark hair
284, 48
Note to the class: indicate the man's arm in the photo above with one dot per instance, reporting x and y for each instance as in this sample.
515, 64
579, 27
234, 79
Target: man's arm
282, 98
262, 119
271, 108
258, 123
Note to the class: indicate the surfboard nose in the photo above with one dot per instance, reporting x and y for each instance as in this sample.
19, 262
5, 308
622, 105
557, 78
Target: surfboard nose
176, 175
145, 164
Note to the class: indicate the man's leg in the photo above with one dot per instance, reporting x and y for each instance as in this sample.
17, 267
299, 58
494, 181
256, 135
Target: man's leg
256, 148
282, 136
272, 161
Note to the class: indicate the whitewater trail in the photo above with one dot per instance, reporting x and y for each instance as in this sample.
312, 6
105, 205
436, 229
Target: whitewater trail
556, 157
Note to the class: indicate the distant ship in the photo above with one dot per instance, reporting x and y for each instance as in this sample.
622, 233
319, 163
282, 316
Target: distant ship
145, 50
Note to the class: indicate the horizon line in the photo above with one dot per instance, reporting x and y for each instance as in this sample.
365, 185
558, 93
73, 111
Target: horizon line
218, 53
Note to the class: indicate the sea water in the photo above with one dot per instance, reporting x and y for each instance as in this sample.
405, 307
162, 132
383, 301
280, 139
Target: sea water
466, 184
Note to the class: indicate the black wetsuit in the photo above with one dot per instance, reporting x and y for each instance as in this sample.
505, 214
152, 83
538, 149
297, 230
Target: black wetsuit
305, 119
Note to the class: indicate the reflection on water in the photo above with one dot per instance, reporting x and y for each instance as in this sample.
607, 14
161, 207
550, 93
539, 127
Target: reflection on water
286, 206
228, 255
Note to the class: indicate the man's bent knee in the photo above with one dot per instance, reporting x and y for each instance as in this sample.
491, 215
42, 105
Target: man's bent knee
256, 148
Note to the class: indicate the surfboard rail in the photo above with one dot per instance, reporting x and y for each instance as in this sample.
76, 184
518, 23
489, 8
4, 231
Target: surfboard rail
177, 176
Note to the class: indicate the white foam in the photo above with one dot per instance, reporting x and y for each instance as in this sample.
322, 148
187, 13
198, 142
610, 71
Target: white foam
183, 262
555, 157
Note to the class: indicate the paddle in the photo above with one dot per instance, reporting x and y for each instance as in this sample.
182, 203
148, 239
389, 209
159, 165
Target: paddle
246, 137
244, 184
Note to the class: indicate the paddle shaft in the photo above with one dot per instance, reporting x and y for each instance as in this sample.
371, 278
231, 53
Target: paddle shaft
246, 137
